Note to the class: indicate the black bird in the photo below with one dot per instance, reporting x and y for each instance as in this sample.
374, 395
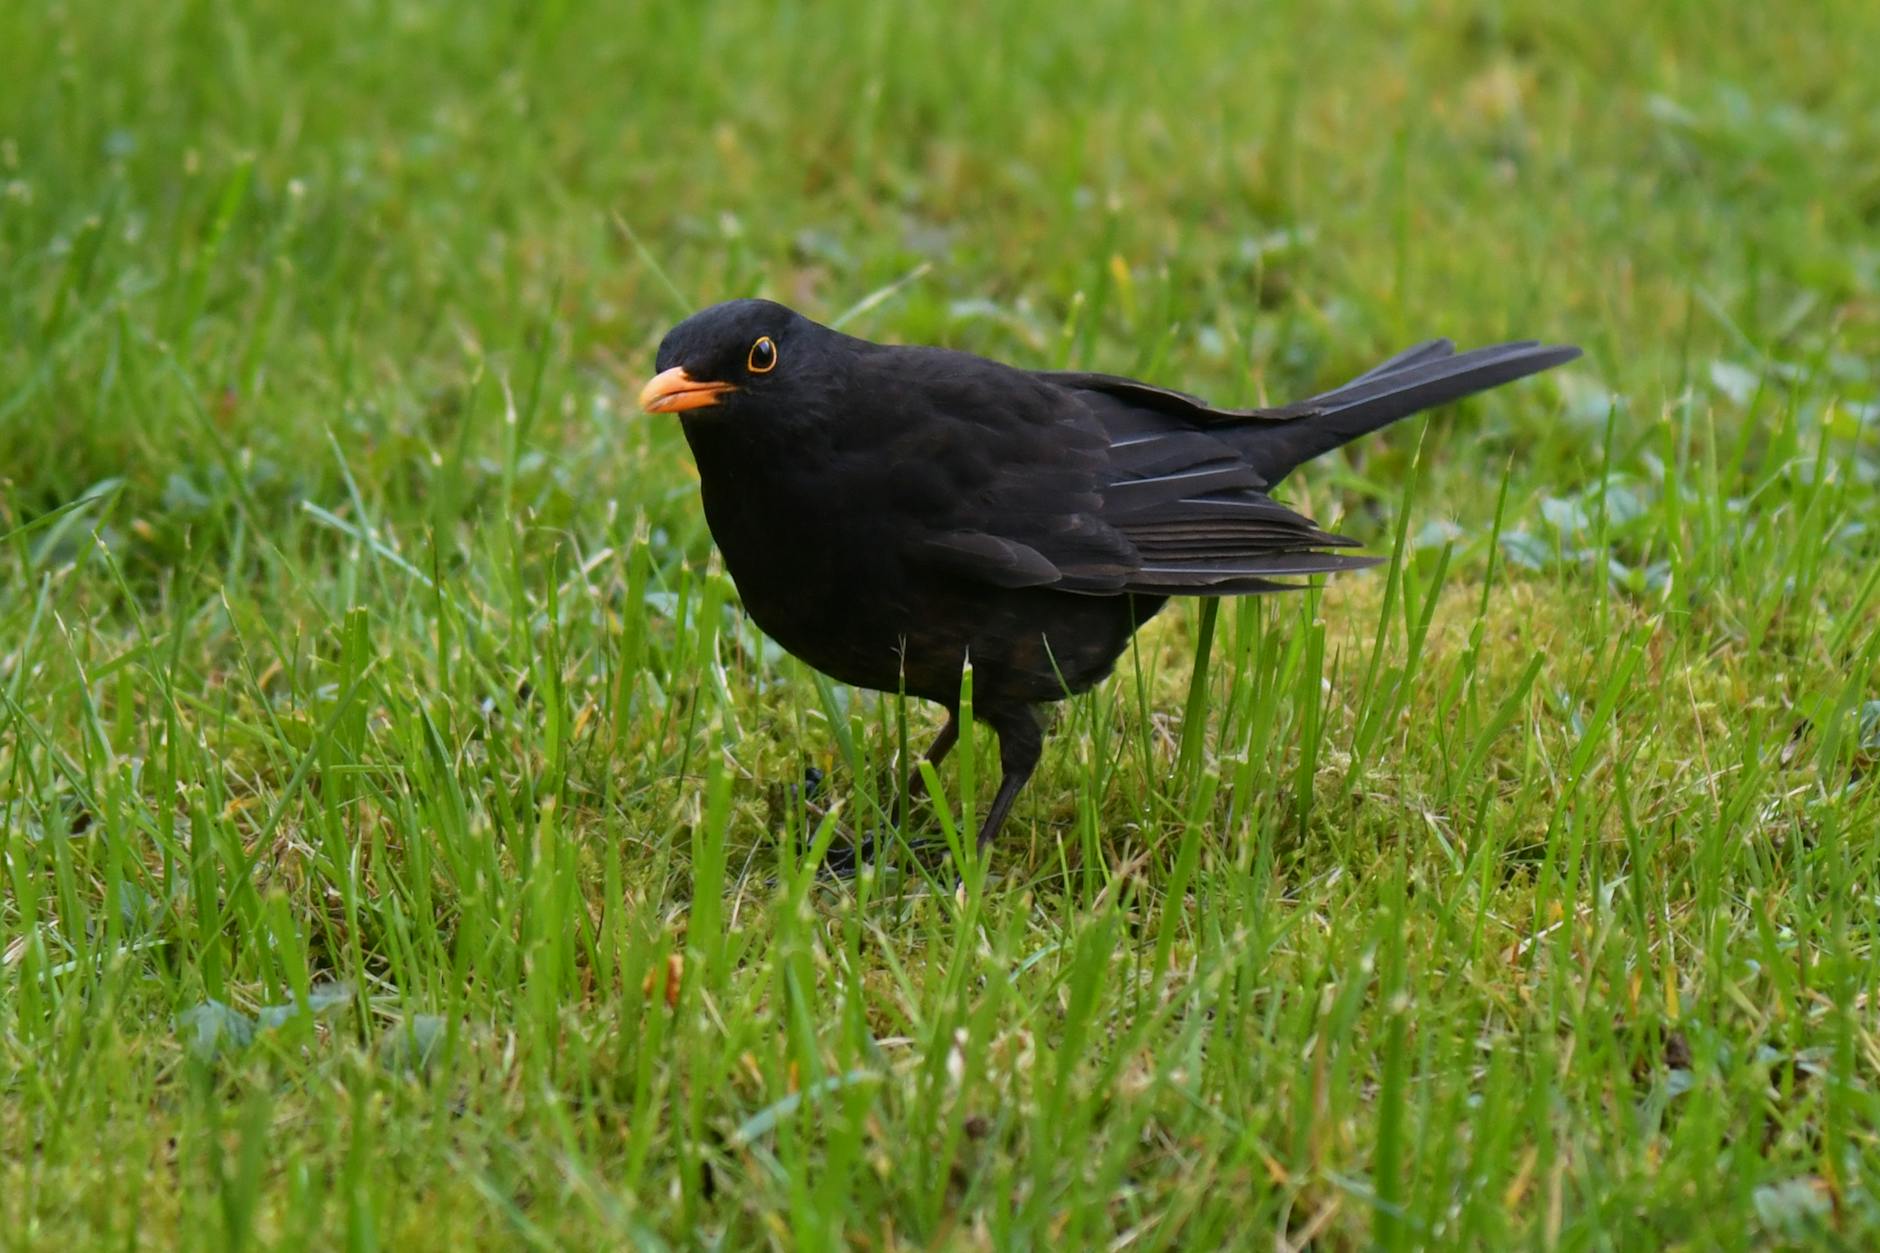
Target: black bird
888, 512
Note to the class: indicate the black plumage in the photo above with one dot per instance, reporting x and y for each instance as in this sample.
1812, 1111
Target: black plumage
888, 512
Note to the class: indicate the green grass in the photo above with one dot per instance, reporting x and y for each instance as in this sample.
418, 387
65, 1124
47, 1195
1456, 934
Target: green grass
378, 732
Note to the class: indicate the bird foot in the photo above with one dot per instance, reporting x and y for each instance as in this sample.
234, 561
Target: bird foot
849, 851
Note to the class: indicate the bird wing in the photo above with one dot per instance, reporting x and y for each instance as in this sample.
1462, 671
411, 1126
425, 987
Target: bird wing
1190, 504
1027, 480
1190, 479
993, 474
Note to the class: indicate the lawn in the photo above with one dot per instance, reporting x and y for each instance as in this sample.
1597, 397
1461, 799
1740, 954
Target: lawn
404, 836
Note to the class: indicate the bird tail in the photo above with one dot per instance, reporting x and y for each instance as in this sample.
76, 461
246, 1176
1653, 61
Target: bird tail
1416, 379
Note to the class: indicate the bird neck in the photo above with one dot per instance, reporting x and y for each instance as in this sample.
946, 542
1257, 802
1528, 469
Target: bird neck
732, 453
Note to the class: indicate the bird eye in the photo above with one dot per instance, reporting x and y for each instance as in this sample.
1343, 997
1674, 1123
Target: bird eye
763, 356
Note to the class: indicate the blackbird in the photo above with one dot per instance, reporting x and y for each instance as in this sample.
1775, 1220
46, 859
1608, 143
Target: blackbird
888, 513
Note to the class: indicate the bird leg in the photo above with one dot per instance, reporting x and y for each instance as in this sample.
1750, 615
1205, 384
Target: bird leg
936, 753
1021, 743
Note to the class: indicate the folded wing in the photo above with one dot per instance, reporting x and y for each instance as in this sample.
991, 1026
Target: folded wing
1105, 485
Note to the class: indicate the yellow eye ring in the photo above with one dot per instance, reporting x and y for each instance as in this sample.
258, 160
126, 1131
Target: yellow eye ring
763, 358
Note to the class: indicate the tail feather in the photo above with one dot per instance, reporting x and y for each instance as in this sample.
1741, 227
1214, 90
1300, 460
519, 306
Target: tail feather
1420, 378
1428, 350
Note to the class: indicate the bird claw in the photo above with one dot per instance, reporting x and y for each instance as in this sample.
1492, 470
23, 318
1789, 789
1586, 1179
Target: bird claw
793, 803
845, 858
810, 788
848, 853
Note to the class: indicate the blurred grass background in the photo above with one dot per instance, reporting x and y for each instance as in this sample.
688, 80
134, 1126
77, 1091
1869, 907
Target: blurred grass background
390, 792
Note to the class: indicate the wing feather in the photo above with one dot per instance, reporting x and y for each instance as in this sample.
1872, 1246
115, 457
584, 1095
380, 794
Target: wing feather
1101, 485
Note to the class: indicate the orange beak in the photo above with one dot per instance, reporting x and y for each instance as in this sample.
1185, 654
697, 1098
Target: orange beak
675, 391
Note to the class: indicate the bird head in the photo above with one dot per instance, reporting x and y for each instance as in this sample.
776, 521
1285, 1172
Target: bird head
732, 355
